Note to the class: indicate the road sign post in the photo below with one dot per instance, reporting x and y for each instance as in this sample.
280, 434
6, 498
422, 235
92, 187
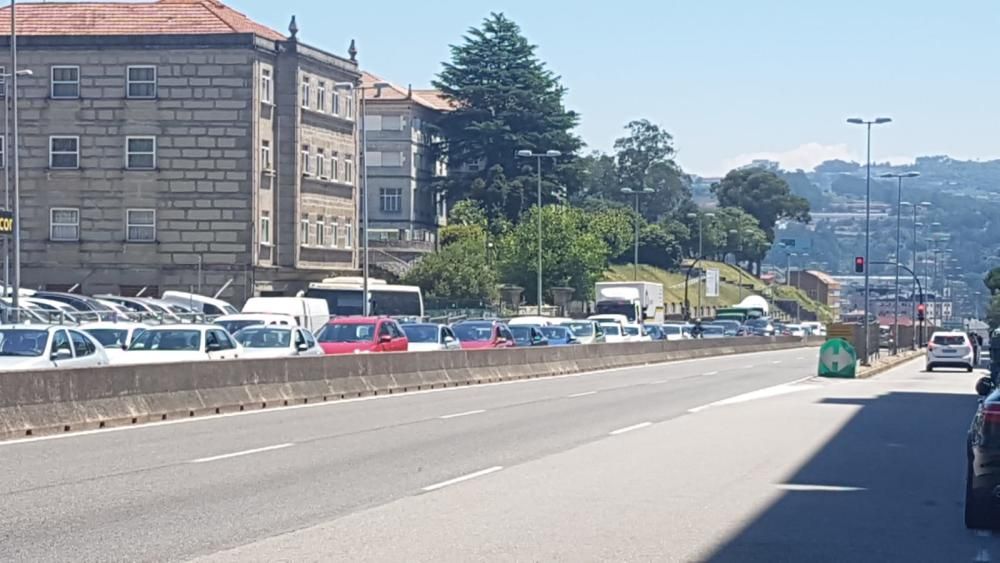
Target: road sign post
837, 358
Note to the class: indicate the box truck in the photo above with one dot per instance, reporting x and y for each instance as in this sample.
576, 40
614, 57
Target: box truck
639, 301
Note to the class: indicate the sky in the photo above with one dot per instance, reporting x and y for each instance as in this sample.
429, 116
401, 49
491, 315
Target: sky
731, 80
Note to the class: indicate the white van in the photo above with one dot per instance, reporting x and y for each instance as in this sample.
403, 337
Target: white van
309, 313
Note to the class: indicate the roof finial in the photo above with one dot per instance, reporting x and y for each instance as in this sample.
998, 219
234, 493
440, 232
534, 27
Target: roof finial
353, 52
293, 27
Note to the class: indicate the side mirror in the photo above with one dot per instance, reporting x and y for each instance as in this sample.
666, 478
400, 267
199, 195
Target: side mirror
124, 346
984, 386
385, 339
302, 346
448, 340
62, 354
213, 347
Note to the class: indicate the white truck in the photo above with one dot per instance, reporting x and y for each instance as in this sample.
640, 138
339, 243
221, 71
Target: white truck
640, 302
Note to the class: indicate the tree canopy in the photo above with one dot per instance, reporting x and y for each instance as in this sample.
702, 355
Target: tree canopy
764, 195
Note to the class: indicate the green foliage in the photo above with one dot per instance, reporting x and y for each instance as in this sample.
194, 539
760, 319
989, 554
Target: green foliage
993, 313
992, 280
507, 100
467, 212
461, 270
762, 194
573, 254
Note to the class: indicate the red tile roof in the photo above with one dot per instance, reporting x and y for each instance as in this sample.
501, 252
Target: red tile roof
432, 99
164, 17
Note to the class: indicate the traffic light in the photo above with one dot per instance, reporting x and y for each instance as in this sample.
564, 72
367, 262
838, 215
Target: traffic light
921, 312
859, 264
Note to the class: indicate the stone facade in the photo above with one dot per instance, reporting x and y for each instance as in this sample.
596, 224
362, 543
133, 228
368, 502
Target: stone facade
194, 202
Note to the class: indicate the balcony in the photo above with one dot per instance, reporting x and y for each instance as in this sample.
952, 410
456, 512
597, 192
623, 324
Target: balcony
402, 245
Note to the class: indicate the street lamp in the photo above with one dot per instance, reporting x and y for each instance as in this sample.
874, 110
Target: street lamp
6, 186
636, 193
539, 157
868, 214
899, 225
377, 86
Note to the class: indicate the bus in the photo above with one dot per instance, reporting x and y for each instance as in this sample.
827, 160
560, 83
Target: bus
343, 296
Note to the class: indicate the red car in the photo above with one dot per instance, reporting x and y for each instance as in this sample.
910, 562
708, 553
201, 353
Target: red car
481, 335
362, 335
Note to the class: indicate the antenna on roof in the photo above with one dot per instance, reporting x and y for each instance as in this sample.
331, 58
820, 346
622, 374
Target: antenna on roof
409, 91
293, 27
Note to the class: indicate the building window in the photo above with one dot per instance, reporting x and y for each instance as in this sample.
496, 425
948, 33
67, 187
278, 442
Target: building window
320, 163
65, 82
64, 224
349, 99
392, 123
348, 234
334, 166
392, 159
141, 82
3, 152
373, 159
265, 227
304, 230
140, 153
140, 225
390, 199
3, 81
305, 91
320, 231
373, 123
64, 152
349, 169
335, 101
265, 155
266, 89
321, 96
334, 234
305, 164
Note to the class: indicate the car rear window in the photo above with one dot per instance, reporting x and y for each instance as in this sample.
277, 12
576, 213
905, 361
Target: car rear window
949, 340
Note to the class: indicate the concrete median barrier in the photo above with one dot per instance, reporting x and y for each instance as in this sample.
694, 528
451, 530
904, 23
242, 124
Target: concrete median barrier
50, 401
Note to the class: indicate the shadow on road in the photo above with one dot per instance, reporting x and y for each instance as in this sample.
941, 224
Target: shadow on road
906, 454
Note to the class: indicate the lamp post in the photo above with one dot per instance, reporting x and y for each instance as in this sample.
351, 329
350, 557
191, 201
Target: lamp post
868, 214
377, 86
15, 298
899, 225
539, 157
636, 193
6, 186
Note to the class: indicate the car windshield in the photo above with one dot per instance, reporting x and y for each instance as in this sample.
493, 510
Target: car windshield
949, 340
757, 323
167, 340
522, 334
17, 342
264, 337
632, 330
421, 333
475, 332
713, 329
581, 328
347, 332
671, 329
612, 330
234, 326
556, 332
109, 337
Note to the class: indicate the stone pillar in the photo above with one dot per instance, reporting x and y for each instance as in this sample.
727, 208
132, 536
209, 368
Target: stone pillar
510, 296
561, 297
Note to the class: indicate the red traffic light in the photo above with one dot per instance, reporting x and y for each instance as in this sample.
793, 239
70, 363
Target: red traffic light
859, 264
921, 311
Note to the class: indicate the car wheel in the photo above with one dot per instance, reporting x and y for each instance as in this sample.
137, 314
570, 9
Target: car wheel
930, 367
977, 510
968, 369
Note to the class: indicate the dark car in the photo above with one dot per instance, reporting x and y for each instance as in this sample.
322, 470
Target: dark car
528, 335
761, 327
92, 308
982, 477
559, 335
730, 328
655, 332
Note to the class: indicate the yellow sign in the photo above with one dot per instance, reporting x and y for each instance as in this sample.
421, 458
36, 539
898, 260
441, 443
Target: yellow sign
6, 222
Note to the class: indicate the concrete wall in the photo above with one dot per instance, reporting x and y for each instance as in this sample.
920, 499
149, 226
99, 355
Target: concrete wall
47, 401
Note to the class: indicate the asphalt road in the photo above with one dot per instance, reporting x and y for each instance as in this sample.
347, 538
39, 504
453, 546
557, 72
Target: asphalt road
726, 459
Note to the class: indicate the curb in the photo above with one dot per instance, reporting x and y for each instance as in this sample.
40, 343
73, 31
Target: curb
893, 362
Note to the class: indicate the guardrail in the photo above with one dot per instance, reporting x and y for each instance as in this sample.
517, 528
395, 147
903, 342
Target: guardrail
63, 400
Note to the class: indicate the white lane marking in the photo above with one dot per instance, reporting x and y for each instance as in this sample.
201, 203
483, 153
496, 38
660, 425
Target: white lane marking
584, 394
819, 488
774, 391
458, 414
630, 428
243, 453
466, 477
659, 382
800, 358
339, 402
776, 362
982, 556
711, 373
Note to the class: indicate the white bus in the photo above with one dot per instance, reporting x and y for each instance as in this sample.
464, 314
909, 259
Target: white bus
343, 296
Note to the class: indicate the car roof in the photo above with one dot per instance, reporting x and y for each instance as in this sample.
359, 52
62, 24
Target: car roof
478, 322
32, 327
183, 326
124, 325
357, 320
438, 325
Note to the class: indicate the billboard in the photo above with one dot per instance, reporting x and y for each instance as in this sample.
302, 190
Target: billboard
711, 283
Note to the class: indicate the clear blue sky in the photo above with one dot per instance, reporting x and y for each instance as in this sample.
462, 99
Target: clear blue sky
730, 79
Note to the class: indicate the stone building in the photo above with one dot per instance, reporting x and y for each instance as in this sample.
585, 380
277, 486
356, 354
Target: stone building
179, 145
404, 209
820, 287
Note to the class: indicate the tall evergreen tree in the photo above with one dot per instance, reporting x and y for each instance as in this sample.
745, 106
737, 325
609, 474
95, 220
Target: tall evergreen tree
506, 100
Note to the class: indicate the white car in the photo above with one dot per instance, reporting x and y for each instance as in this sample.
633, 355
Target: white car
181, 343
613, 332
427, 337
796, 330
115, 337
675, 332
239, 321
277, 341
24, 347
950, 349
636, 333
585, 331
532, 321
